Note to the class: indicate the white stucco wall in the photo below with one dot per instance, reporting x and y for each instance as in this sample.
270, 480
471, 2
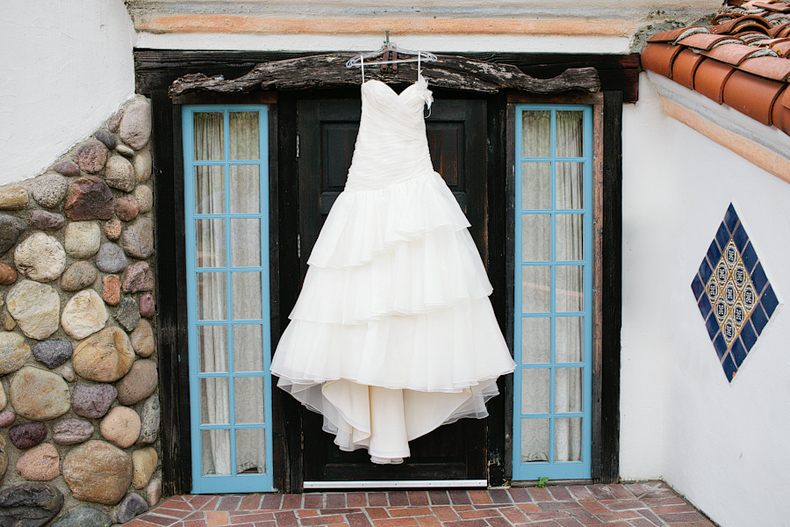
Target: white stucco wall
723, 445
66, 67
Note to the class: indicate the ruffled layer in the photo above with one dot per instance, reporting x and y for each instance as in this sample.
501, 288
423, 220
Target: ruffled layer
445, 350
410, 278
367, 222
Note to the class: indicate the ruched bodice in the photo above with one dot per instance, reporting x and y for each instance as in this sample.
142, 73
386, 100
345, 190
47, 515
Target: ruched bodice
391, 145
393, 333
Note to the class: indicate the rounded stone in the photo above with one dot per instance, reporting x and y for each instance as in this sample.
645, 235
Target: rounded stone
131, 506
145, 198
14, 353
93, 401
115, 121
84, 315
111, 289
27, 435
46, 221
68, 373
143, 339
39, 395
138, 278
49, 190
127, 314
124, 150
82, 239
121, 426
112, 229
84, 517
7, 274
3, 398
8, 321
30, 504
71, 431
126, 208
67, 168
138, 239
13, 198
149, 416
153, 492
104, 357
78, 276
106, 138
147, 305
111, 258
143, 166
119, 173
35, 307
135, 128
139, 383
40, 257
41, 463
98, 472
7, 418
91, 157
10, 229
52, 353
3, 456
89, 198
144, 463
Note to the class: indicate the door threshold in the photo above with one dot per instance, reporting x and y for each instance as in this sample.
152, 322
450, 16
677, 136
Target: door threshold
390, 484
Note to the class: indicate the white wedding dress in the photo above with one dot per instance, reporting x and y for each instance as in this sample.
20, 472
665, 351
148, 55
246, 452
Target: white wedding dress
393, 333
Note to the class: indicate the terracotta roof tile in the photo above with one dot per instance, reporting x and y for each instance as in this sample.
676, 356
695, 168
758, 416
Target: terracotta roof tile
742, 60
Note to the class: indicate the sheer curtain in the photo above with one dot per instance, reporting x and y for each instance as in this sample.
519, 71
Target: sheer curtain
536, 286
214, 250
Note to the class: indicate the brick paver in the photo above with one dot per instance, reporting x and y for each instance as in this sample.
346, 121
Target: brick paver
650, 504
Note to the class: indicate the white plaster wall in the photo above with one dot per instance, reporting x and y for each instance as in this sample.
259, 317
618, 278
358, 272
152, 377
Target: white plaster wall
66, 67
723, 445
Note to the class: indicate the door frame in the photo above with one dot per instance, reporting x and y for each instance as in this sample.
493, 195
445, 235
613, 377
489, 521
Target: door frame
156, 69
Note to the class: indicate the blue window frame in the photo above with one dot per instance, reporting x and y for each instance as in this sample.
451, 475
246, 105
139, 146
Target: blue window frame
227, 232
553, 292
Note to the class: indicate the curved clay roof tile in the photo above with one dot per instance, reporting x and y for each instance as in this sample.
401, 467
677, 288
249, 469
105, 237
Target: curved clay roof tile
781, 31
774, 68
753, 22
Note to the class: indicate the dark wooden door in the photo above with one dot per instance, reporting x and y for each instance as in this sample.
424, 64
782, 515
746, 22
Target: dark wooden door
457, 137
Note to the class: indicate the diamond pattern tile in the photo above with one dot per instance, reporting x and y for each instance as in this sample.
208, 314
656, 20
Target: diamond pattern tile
733, 294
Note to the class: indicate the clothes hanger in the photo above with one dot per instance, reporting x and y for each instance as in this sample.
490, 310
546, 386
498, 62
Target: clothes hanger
390, 54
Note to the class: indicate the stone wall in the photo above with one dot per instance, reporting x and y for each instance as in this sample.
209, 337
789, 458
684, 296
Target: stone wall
79, 406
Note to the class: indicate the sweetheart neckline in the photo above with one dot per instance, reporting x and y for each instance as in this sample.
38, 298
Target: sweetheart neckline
392, 90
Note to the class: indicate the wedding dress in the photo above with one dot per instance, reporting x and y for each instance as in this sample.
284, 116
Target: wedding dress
393, 333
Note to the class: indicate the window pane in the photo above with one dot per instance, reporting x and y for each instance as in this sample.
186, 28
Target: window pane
212, 348
246, 296
245, 192
570, 185
536, 289
251, 451
536, 237
214, 401
248, 347
209, 189
535, 340
569, 335
568, 390
209, 145
215, 446
570, 288
534, 440
536, 133
570, 237
535, 185
568, 439
569, 133
210, 243
245, 242
211, 296
244, 138
248, 400
535, 390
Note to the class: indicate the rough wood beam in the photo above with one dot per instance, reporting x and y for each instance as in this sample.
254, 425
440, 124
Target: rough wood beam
319, 71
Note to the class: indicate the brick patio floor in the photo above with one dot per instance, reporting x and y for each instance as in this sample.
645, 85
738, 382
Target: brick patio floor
629, 505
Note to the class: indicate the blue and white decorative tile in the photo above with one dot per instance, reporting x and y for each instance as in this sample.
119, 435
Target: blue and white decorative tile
733, 294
